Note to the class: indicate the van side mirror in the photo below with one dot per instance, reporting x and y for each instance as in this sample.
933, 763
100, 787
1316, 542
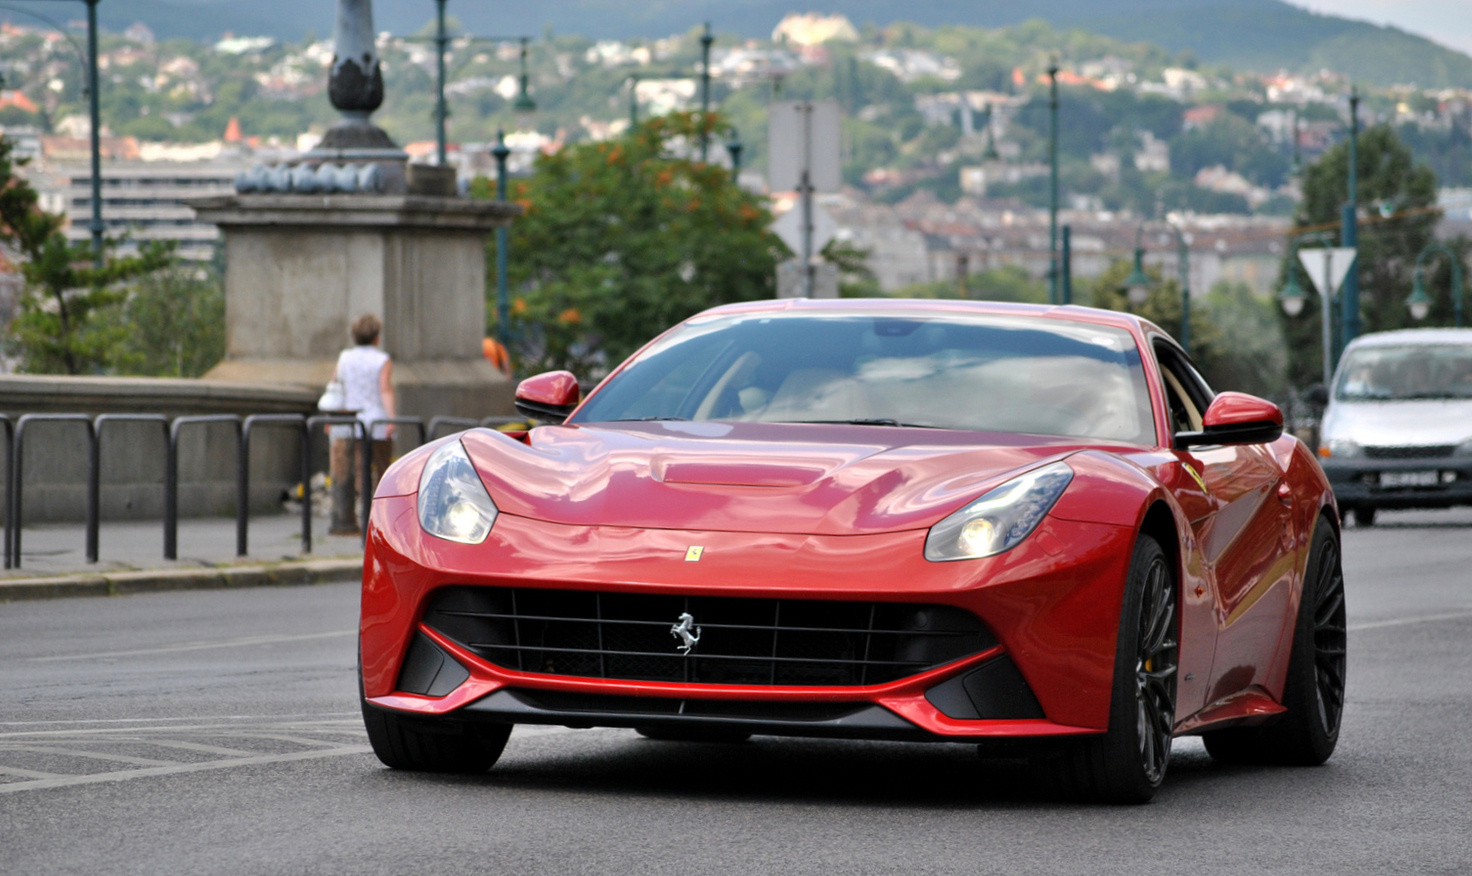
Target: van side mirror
1236, 418
548, 397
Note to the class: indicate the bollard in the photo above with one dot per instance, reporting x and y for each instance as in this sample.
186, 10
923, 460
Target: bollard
171, 474
242, 483
9, 482
437, 422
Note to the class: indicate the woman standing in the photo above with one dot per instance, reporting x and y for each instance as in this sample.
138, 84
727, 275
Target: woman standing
367, 375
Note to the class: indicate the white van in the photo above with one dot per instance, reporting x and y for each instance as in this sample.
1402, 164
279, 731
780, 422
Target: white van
1398, 429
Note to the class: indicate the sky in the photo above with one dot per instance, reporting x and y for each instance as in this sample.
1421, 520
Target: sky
1448, 22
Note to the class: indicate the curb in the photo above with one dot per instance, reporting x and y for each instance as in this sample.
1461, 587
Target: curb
286, 574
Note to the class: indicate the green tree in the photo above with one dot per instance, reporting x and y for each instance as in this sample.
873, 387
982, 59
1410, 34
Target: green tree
176, 323
66, 322
1390, 179
623, 238
1162, 306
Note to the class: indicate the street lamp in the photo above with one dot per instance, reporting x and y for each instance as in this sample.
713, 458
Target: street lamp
503, 296
1053, 182
523, 107
705, 40
1350, 224
1419, 302
1137, 284
735, 147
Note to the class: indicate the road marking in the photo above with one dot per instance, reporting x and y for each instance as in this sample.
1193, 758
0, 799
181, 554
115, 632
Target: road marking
195, 746
27, 774
197, 646
325, 716
1406, 621
99, 778
94, 755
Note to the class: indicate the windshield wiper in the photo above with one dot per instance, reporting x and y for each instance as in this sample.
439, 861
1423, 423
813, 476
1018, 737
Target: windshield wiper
866, 421
648, 419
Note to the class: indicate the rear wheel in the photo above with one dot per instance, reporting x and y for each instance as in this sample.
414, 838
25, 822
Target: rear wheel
1128, 763
692, 734
408, 743
1314, 694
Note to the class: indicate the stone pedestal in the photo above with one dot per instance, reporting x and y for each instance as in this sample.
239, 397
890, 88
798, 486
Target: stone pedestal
299, 268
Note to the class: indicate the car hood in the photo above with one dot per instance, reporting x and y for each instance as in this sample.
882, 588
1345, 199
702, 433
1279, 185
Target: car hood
1411, 423
749, 477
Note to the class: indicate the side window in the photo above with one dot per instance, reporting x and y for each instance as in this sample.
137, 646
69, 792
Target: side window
1186, 394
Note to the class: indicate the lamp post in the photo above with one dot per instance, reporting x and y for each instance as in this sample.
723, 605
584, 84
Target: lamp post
441, 41
1137, 284
735, 147
523, 107
1292, 297
503, 297
1419, 302
633, 101
1053, 183
705, 40
1350, 238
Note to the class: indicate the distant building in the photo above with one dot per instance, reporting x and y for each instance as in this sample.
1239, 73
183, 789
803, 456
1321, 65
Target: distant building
1153, 155
813, 29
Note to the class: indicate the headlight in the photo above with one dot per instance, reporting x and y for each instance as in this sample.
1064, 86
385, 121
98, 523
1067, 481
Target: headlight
453, 503
1339, 448
999, 520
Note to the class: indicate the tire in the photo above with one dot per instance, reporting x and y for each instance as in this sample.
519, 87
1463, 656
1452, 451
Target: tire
407, 743
692, 734
1314, 694
1364, 515
1128, 762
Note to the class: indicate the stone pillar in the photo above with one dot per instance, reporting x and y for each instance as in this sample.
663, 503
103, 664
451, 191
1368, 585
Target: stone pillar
299, 268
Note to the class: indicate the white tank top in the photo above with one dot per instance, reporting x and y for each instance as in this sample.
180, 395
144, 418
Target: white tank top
358, 368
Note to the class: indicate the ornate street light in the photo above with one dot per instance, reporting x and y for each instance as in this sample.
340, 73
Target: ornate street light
1419, 302
1291, 296
503, 296
524, 107
1137, 284
735, 147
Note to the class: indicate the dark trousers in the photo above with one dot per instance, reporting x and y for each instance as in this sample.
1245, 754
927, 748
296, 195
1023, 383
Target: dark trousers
346, 464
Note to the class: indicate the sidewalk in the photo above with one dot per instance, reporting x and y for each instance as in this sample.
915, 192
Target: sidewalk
54, 564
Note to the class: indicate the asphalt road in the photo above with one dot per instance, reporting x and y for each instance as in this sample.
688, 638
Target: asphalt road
216, 732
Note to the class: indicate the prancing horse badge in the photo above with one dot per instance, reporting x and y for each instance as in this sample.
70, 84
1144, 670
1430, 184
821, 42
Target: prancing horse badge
692, 554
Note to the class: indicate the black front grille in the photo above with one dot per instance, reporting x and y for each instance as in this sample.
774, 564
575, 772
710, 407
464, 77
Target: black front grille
742, 641
1425, 452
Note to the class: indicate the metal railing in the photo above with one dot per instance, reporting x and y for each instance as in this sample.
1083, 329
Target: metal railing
171, 429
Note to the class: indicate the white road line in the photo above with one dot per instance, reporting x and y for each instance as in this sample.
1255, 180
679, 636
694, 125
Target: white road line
197, 646
99, 778
1406, 621
94, 755
28, 774
195, 746
220, 729
313, 717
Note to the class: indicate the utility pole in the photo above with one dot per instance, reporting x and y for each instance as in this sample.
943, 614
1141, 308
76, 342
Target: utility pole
1350, 236
1053, 284
633, 101
1067, 266
95, 226
441, 42
503, 295
705, 40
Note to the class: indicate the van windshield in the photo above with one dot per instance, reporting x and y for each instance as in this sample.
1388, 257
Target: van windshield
1408, 372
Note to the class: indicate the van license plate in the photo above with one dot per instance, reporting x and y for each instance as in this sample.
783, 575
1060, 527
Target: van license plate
1409, 478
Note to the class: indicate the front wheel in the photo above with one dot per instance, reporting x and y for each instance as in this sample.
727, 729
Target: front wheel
1127, 764
405, 742
1314, 694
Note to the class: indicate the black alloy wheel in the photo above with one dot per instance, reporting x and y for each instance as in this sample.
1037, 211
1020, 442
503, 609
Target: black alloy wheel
1128, 763
1314, 693
1155, 671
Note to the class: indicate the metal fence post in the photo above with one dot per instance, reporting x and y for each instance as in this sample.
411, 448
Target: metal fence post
242, 502
9, 483
436, 422
171, 474
18, 463
94, 472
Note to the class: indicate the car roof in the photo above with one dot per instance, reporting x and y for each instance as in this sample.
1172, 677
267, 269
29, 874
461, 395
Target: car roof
1070, 312
1415, 337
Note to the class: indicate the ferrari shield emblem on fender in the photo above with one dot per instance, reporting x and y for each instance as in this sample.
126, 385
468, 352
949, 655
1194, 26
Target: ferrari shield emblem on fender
692, 554
683, 632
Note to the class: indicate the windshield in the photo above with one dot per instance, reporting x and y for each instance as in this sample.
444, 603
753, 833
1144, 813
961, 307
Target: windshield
983, 373
1408, 372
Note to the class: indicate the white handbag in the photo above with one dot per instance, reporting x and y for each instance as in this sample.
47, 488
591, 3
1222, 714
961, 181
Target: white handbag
334, 397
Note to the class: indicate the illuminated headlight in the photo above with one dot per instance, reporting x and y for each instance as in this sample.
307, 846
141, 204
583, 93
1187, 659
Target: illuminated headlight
999, 520
453, 503
1339, 448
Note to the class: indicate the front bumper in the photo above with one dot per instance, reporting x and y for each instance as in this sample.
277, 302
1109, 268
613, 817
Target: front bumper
1052, 603
1431, 482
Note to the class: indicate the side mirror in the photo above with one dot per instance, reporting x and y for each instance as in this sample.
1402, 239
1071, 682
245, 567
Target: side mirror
1317, 394
548, 397
1236, 418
